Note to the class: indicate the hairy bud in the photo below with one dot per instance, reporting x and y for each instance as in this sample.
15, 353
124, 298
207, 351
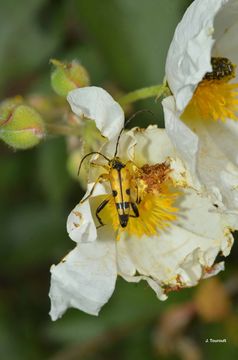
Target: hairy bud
68, 76
21, 127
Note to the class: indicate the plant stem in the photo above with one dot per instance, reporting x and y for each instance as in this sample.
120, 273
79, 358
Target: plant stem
144, 93
56, 129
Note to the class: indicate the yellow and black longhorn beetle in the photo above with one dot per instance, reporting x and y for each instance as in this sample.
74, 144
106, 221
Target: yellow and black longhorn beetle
120, 180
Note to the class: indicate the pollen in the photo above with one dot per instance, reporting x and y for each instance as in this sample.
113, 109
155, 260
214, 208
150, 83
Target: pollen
155, 199
215, 98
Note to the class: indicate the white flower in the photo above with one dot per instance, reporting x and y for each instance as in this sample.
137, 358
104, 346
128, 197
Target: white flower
173, 243
201, 116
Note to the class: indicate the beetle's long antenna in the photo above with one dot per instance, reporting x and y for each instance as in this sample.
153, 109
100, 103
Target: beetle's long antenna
127, 122
118, 141
91, 153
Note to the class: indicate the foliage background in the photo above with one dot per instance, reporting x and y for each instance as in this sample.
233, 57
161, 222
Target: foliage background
124, 43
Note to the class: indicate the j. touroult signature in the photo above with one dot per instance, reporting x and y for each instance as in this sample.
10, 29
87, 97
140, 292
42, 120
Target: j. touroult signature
215, 340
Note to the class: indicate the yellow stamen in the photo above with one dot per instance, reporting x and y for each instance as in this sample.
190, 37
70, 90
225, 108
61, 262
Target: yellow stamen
215, 98
156, 213
156, 206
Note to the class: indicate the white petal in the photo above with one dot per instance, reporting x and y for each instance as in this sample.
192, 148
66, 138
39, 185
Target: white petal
80, 223
214, 158
225, 137
180, 254
217, 160
185, 141
191, 270
189, 54
125, 149
143, 146
85, 278
209, 151
152, 146
96, 104
227, 45
226, 27
125, 265
215, 270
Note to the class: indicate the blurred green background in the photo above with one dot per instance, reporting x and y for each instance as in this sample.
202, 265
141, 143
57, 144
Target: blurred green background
122, 43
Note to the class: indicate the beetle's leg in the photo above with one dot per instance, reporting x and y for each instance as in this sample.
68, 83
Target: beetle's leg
106, 167
135, 210
101, 178
138, 199
99, 208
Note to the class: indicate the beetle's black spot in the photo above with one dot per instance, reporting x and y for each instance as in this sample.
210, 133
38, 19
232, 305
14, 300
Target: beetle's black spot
123, 220
128, 191
114, 193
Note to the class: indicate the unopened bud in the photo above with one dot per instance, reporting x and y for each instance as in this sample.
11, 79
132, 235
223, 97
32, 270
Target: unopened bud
21, 126
68, 76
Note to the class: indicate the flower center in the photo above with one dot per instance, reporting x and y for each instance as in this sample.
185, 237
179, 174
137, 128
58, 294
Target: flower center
153, 195
215, 98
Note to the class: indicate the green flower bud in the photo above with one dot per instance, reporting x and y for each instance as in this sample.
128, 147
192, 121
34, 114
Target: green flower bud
20, 125
68, 76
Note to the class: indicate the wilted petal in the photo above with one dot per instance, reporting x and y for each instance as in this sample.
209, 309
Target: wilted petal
190, 270
179, 255
95, 103
85, 278
153, 284
216, 268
